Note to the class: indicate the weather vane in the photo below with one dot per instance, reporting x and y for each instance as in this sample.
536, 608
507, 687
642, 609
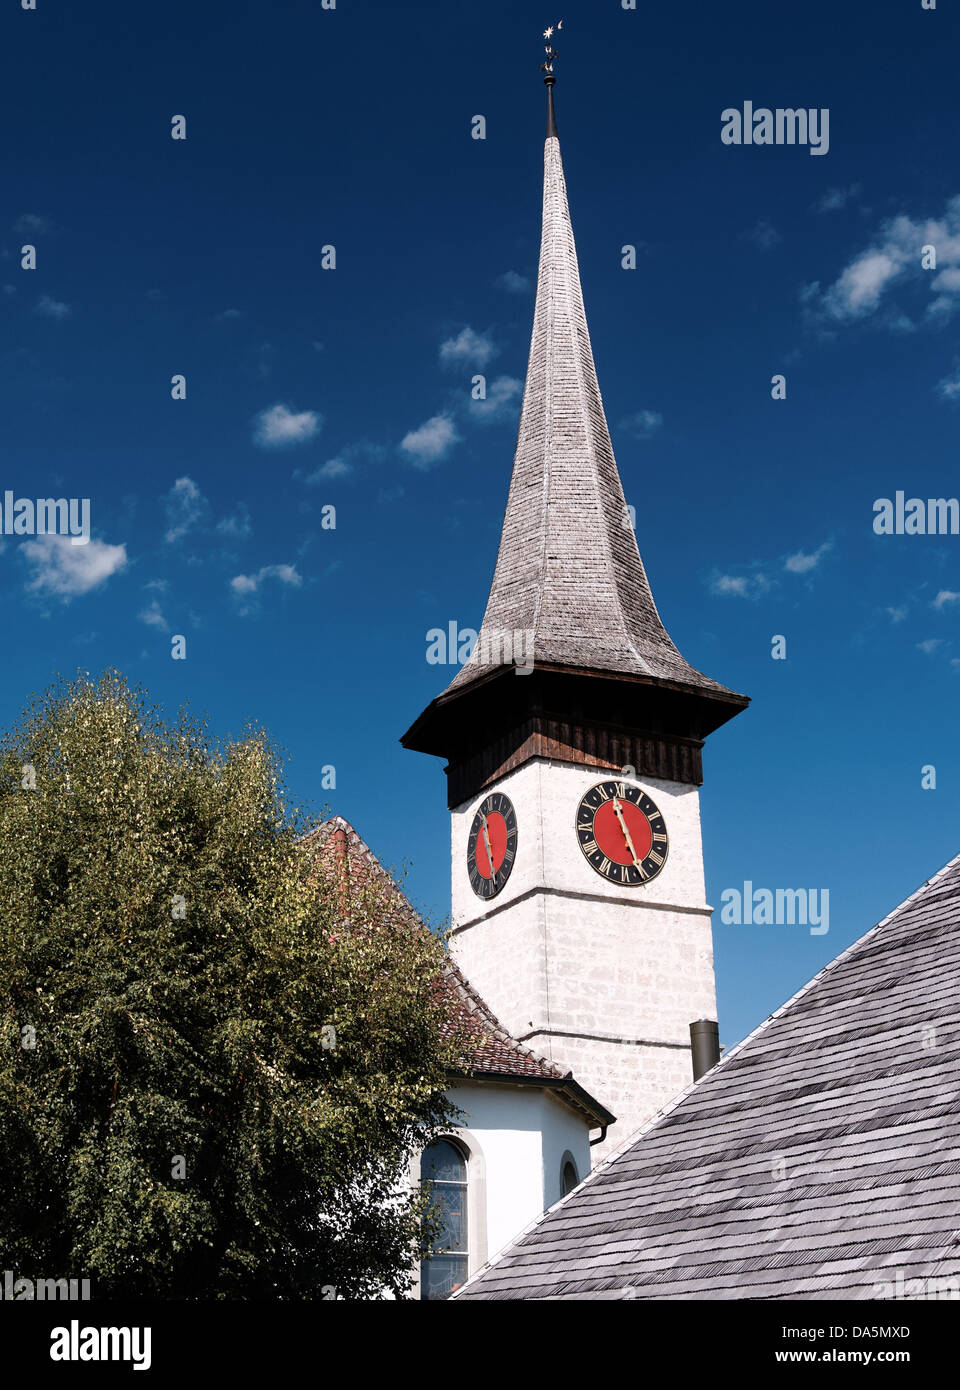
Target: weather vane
550, 51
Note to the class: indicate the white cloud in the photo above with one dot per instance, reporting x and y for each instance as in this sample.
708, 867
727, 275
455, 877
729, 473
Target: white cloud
930, 645
801, 563
279, 426
247, 586
342, 465
893, 257
429, 443
238, 524
333, 468
898, 613
52, 308
945, 598
514, 282
153, 617
501, 395
858, 290
467, 348
764, 235
250, 583
67, 570
31, 224
949, 387
739, 585
836, 198
730, 584
185, 506
643, 425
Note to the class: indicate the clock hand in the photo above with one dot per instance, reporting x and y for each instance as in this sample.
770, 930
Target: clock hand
626, 832
486, 841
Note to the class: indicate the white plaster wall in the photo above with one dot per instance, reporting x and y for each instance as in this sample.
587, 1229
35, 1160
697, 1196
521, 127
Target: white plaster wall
561, 951
546, 795
523, 1133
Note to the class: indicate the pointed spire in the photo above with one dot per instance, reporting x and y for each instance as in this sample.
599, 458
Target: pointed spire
569, 569
570, 606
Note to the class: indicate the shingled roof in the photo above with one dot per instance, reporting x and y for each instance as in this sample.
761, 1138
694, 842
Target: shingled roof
819, 1159
494, 1055
568, 568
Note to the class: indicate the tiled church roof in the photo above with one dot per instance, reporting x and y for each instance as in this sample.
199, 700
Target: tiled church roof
495, 1053
568, 568
819, 1160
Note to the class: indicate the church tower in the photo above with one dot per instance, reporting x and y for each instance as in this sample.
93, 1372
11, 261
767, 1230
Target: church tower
573, 740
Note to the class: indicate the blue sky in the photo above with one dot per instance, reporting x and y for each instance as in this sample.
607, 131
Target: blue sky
308, 388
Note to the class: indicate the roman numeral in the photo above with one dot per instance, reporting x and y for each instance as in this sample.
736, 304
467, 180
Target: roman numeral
657, 858
590, 847
621, 788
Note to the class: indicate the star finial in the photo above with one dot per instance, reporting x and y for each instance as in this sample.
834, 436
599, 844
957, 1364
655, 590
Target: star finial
550, 51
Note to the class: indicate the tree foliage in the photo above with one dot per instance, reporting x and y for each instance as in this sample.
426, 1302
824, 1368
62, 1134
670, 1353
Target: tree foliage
213, 1066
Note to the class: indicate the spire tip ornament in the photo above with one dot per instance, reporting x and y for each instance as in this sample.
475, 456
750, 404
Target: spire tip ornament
549, 79
550, 51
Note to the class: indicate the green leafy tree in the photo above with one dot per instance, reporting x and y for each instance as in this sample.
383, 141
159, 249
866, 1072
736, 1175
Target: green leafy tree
214, 1066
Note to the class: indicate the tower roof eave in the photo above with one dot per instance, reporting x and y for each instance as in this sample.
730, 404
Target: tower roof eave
498, 692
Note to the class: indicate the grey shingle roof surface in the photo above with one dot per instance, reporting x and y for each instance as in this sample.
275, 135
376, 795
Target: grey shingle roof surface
819, 1159
568, 568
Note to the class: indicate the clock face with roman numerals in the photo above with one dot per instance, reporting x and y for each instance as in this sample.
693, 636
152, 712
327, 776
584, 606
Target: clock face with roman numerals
492, 845
622, 833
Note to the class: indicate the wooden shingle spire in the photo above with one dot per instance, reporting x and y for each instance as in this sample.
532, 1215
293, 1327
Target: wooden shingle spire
569, 568
569, 584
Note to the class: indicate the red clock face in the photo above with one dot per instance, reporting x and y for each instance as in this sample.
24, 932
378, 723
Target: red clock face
622, 833
492, 845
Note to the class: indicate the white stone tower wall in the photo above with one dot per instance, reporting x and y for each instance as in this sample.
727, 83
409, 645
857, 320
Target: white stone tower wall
601, 978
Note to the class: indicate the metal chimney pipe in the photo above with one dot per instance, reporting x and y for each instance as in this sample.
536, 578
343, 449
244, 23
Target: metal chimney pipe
704, 1045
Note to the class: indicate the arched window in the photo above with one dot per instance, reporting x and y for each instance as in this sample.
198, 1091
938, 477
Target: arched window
444, 1167
568, 1177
